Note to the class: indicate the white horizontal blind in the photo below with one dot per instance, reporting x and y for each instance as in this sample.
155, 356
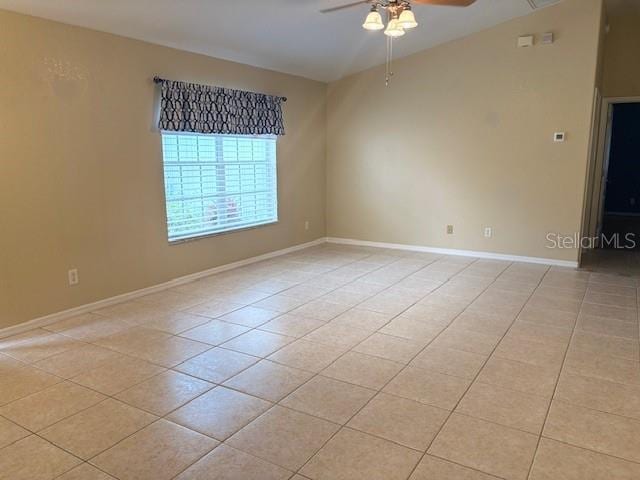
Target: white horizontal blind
218, 183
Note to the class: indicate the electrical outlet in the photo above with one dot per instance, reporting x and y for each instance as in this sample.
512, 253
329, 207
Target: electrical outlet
73, 277
306, 224
488, 232
449, 229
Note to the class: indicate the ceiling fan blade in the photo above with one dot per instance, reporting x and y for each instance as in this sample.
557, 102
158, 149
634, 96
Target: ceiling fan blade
342, 7
446, 3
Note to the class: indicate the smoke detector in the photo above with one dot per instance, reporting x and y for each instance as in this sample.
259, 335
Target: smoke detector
536, 4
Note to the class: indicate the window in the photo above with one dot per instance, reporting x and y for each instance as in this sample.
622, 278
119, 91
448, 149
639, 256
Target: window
218, 183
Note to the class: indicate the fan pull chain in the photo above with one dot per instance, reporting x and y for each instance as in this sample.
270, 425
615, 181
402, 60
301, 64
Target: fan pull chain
389, 64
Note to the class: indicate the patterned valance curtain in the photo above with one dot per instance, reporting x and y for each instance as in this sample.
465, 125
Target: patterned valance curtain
189, 107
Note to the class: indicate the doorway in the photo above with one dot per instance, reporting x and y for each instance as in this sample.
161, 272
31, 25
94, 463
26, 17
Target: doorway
621, 211
616, 193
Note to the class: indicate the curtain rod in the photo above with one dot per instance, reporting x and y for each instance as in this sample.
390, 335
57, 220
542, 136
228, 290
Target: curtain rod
160, 80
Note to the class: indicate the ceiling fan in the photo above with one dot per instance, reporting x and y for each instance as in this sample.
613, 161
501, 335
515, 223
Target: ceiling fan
400, 18
446, 3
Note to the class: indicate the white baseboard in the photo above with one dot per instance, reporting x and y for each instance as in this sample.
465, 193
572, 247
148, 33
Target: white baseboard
55, 317
448, 251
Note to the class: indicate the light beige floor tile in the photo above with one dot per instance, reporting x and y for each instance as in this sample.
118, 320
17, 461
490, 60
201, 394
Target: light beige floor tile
329, 399
215, 332
250, 316
85, 472
132, 341
400, 420
114, 376
411, 329
506, 407
215, 308
549, 355
169, 352
226, 463
599, 394
518, 376
320, 309
611, 312
610, 299
612, 289
483, 322
602, 366
291, 325
554, 303
217, 365
428, 387
608, 326
32, 458
450, 362
77, 360
432, 315
467, 341
305, 355
284, 437
363, 370
337, 335
19, 380
51, 405
220, 412
556, 460
432, 468
605, 345
164, 392
92, 431
89, 327
158, 452
176, 322
360, 319
37, 346
280, 303
387, 303
10, 432
352, 455
392, 348
533, 332
268, 380
486, 446
258, 343
553, 318
599, 431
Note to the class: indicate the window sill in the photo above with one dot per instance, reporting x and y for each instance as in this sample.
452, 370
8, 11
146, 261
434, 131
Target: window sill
217, 234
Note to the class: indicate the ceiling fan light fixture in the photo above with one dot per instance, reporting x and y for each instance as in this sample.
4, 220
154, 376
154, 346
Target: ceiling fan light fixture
407, 19
394, 29
373, 20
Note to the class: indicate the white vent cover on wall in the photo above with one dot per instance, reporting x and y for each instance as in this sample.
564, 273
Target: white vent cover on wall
535, 4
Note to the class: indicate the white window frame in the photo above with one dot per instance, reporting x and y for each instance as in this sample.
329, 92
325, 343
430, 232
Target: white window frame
271, 171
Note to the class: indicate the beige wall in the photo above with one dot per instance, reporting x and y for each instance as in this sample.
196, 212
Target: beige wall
81, 167
622, 53
463, 136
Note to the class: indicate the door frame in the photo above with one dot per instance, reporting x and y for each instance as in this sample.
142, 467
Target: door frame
599, 158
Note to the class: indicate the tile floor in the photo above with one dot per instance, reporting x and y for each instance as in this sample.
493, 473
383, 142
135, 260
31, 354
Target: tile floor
337, 363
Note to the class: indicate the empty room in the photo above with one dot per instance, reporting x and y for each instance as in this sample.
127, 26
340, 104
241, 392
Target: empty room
319, 240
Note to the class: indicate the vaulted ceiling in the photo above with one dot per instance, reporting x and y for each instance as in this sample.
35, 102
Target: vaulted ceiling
290, 36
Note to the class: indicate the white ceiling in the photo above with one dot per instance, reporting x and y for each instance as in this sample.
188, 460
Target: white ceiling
290, 36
